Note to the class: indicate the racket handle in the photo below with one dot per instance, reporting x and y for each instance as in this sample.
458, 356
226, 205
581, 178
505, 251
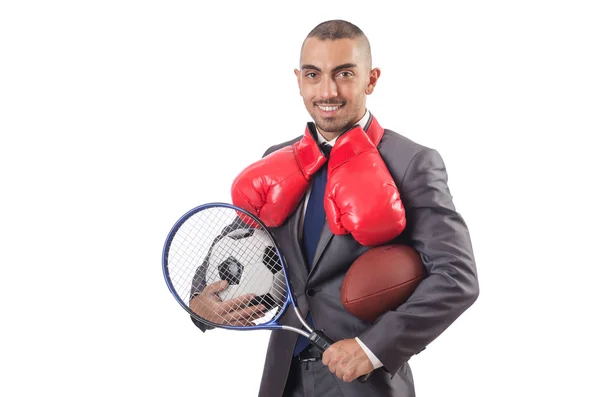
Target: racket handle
322, 342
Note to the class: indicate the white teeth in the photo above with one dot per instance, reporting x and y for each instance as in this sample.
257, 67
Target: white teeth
329, 108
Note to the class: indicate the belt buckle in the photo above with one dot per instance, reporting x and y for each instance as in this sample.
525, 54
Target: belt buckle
309, 359
304, 362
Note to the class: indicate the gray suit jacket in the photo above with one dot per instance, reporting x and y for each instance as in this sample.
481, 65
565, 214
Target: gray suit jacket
434, 228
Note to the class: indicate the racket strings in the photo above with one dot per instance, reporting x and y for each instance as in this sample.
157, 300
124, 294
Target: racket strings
187, 250
215, 245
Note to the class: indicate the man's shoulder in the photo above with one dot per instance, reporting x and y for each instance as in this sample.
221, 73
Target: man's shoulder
394, 142
400, 150
281, 145
401, 153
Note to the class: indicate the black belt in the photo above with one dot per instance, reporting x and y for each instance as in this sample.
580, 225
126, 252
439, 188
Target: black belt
311, 353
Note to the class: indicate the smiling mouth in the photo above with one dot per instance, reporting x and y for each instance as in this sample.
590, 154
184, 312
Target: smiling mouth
329, 108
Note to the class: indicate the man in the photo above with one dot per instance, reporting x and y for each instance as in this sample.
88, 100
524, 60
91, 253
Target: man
321, 230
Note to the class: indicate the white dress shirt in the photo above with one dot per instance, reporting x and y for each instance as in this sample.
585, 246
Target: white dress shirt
362, 122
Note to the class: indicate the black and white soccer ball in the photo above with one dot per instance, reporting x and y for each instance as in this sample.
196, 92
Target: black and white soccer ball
247, 259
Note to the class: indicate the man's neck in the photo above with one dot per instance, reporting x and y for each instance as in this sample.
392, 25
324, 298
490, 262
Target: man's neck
329, 136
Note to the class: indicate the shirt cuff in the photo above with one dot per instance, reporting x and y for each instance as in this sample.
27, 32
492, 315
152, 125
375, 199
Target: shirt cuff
374, 360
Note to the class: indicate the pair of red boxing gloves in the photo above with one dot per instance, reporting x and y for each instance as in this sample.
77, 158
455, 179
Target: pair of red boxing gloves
361, 196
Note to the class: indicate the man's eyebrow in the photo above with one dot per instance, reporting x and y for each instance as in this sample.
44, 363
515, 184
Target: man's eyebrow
336, 69
311, 67
344, 66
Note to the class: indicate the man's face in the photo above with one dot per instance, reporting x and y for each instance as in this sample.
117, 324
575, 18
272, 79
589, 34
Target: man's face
334, 80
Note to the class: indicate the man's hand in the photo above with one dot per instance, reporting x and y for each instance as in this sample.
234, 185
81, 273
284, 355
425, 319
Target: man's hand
347, 360
235, 311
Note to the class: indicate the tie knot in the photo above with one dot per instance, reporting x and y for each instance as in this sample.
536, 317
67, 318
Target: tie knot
326, 148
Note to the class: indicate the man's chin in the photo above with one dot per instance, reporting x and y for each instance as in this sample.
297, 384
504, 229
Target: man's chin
332, 126
327, 124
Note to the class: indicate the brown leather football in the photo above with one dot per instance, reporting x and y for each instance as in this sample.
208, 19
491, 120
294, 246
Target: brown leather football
381, 279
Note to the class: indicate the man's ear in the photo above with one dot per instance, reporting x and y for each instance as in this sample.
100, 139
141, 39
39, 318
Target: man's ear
297, 73
373, 77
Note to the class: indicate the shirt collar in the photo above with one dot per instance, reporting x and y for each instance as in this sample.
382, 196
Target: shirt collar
362, 123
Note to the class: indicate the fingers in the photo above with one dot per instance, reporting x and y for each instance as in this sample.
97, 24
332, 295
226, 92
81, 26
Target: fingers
241, 318
235, 312
332, 353
326, 357
215, 287
247, 321
335, 365
201, 304
236, 303
344, 362
246, 313
344, 371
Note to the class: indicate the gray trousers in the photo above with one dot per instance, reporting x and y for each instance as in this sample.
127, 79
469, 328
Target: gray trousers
311, 379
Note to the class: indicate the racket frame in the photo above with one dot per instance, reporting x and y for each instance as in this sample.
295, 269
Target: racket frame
290, 299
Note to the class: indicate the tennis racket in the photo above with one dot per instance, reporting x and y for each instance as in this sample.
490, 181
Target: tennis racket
217, 243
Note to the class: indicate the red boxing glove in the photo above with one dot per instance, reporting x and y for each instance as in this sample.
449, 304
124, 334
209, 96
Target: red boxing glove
361, 196
272, 187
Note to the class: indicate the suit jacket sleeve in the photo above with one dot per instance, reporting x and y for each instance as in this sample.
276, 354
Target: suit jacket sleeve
440, 235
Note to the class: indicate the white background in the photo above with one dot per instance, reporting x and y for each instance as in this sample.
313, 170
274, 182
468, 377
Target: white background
119, 116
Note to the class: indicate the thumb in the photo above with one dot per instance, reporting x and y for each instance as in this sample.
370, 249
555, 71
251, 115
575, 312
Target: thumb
216, 287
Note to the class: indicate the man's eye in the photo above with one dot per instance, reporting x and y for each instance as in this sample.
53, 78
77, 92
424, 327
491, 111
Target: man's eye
311, 75
345, 74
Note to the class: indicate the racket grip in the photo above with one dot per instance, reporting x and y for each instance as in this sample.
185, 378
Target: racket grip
320, 340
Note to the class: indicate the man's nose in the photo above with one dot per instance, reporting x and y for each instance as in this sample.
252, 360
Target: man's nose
328, 88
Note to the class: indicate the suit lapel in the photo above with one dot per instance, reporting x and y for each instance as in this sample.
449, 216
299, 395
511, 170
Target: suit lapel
326, 236
297, 261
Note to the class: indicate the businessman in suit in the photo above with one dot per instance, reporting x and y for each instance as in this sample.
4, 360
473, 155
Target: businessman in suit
345, 185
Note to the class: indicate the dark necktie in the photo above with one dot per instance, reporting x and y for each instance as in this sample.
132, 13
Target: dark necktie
314, 220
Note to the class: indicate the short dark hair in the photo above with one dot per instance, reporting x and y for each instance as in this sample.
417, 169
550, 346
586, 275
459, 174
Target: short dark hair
337, 29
